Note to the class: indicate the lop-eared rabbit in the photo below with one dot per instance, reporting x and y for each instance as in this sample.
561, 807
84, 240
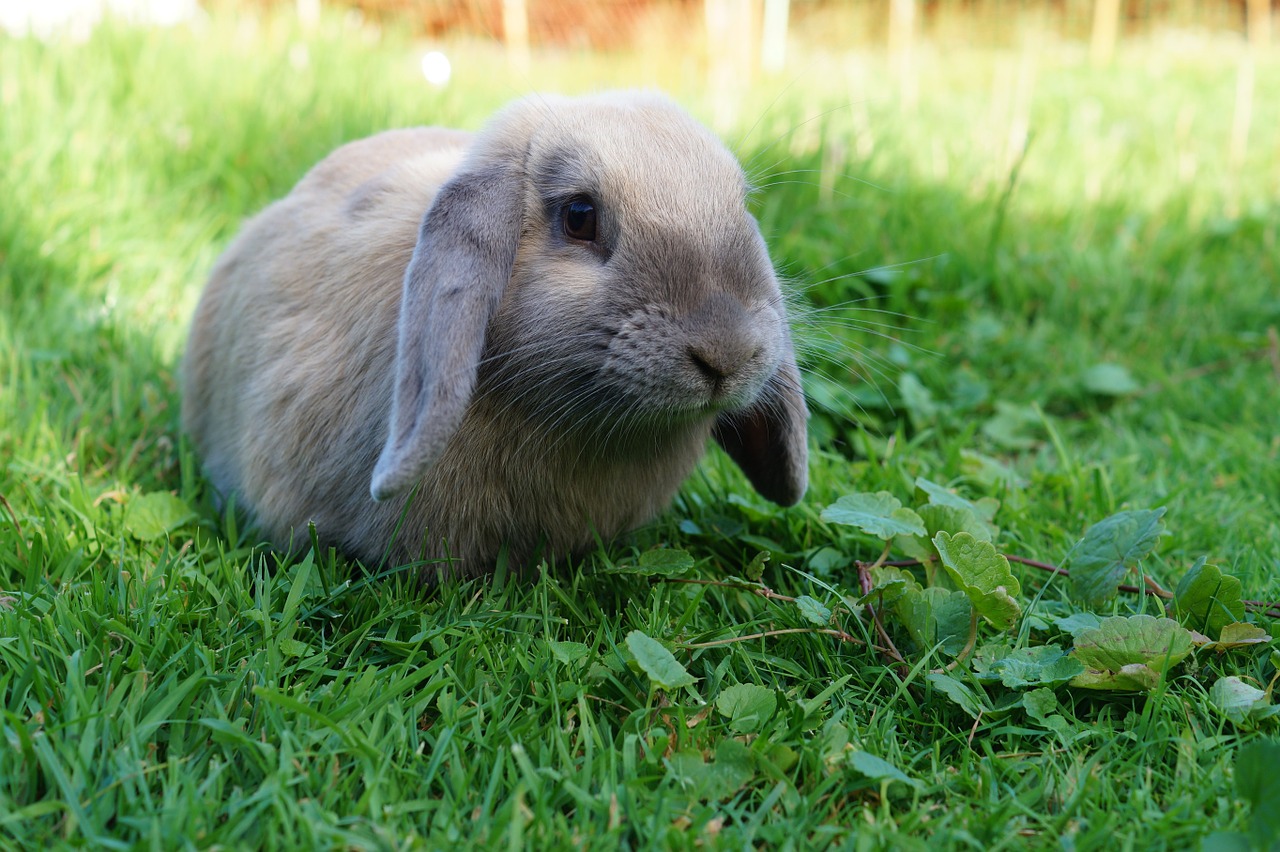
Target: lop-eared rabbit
452, 345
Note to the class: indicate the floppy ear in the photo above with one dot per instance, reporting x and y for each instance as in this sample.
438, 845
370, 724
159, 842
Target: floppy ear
453, 284
767, 439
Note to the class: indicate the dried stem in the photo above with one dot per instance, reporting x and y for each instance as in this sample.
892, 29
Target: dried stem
864, 578
889, 649
763, 592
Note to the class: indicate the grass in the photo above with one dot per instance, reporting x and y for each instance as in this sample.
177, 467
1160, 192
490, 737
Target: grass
167, 683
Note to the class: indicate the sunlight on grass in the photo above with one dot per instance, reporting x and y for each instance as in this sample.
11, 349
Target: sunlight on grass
1045, 284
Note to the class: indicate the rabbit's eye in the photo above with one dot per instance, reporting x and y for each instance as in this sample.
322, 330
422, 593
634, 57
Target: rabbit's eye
578, 219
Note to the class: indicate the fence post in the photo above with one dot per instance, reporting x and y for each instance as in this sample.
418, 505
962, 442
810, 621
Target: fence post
515, 33
773, 53
1106, 29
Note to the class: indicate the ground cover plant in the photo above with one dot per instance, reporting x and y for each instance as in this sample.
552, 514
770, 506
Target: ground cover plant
1037, 304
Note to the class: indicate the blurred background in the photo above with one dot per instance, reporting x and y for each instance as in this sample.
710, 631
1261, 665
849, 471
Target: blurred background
1000, 218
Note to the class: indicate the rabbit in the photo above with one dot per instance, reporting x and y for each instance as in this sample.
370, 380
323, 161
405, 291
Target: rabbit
451, 349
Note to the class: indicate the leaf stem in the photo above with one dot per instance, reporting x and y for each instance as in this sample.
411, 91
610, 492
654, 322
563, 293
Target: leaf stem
968, 645
1156, 589
884, 554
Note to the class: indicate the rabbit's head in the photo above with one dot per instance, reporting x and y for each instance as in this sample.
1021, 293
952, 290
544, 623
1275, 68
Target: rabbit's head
592, 267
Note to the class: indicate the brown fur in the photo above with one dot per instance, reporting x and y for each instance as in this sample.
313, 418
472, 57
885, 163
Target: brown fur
413, 316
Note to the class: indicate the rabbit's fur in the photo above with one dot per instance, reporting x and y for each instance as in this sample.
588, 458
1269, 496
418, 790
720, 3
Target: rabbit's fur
411, 351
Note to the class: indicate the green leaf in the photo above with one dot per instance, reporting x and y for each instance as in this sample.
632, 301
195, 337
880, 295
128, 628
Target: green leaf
1078, 622
1240, 702
834, 742
657, 662
1109, 380
732, 768
1135, 677
881, 515
1237, 635
1124, 639
666, 562
938, 518
569, 652
813, 611
1038, 665
747, 706
879, 769
294, 648
1014, 427
1258, 783
1208, 600
888, 585
1107, 551
985, 508
1040, 703
935, 615
1130, 652
960, 693
153, 516
982, 574
755, 568
1228, 841
810, 706
989, 471
826, 560
917, 400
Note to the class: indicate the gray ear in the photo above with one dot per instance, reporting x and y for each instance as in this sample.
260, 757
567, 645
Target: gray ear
452, 286
768, 440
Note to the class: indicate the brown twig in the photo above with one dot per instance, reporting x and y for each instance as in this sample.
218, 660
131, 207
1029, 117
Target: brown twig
1156, 589
839, 634
1043, 566
1152, 585
889, 649
1268, 608
864, 577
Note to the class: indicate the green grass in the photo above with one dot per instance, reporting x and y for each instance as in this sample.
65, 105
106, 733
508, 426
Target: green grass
185, 689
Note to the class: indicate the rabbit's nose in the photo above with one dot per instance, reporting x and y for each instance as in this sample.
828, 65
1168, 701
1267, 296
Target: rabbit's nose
722, 341
721, 361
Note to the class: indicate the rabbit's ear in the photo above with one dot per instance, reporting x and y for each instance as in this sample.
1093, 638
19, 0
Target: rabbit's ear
452, 286
768, 440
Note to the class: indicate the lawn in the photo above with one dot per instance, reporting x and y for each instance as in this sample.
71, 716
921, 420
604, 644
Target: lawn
1037, 303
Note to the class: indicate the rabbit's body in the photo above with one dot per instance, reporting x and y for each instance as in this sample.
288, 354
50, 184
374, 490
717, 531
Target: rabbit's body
502, 382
